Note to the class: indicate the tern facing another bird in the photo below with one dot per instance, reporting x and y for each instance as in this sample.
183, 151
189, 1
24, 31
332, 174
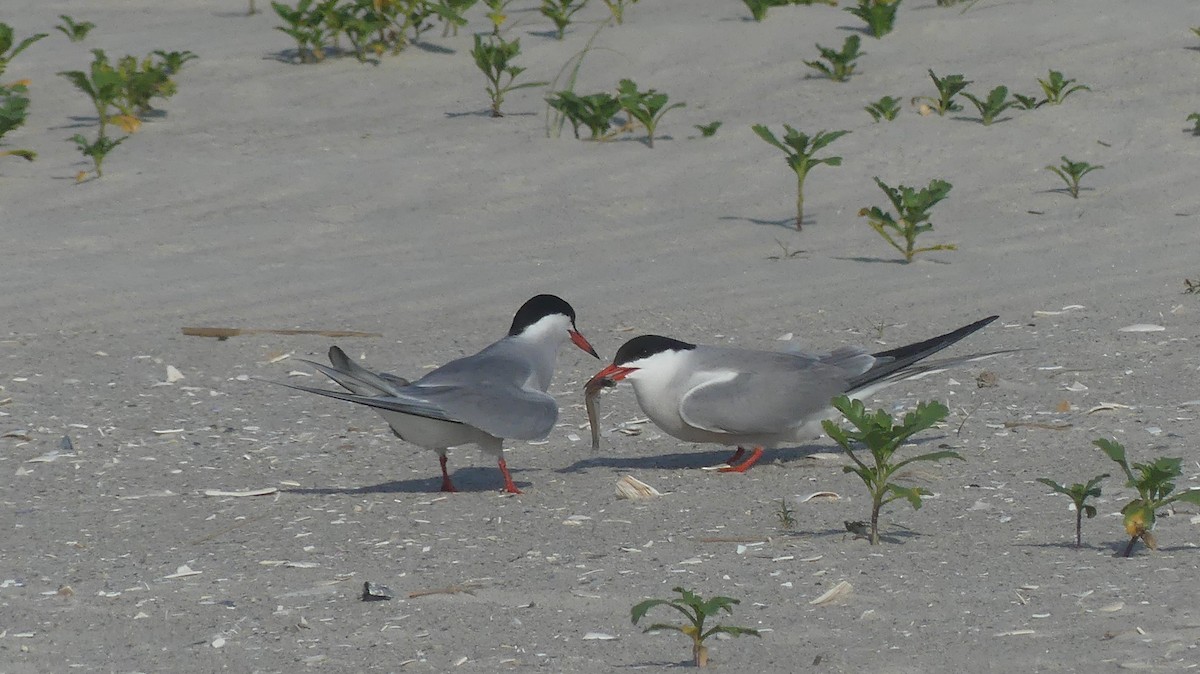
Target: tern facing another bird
760, 399
482, 399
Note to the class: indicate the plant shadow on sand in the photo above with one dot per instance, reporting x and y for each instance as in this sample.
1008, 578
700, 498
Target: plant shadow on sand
886, 260
786, 223
469, 479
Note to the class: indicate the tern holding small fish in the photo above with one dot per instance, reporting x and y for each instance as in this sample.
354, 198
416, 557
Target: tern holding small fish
760, 399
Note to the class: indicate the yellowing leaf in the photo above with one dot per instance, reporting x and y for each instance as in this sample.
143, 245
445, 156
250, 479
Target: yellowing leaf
128, 123
81, 176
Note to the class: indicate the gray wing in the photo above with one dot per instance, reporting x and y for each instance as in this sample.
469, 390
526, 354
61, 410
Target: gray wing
357, 379
753, 392
486, 391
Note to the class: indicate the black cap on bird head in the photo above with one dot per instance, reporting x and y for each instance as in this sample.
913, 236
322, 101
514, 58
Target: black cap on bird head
537, 308
646, 346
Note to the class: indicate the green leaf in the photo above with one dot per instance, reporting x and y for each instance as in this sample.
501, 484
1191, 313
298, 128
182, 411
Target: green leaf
639, 610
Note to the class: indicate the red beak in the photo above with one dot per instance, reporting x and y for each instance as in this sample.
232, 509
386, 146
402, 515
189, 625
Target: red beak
609, 376
582, 343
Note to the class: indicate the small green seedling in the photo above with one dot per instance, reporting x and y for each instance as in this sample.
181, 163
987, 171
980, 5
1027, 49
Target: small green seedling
13, 106
493, 57
560, 12
1154, 484
948, 87
308, 26
708, 130
785, 515
617, 9
1057, 88
785, 252
97, 149
1194, 118
1079, 494
497, 13
75, 32
841, 63
697, 610
912, 208
993, 106
758, 8
9, 48
647, 107
1022, 102
883, 437
146, 79
885, 108
800, 150
880, 15
102, 84
595, 111
1071, 173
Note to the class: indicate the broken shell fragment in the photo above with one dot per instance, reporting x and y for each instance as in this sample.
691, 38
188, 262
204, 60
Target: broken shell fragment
837, 593
629, 487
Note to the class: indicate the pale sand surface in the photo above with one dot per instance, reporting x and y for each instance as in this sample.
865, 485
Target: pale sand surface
347, 196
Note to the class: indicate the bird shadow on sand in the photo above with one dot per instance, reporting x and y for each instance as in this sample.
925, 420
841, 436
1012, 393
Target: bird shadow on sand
786, 223
695, 459
468, 479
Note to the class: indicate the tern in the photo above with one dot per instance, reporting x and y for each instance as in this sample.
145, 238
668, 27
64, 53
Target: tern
760, 399
481, 399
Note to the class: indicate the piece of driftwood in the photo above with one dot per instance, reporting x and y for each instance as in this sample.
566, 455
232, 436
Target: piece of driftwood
226, 333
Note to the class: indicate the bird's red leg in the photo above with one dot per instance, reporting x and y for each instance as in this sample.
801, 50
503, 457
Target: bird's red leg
508, 481
745, 465
736, 455
447, 485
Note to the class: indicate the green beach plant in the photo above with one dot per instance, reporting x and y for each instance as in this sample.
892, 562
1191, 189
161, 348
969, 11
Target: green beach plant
1022, 102
912, 210
497, 13
101, 83
880, 15
647, 107
885, 108
883, 437
10, 47
947, 87
1057, 88
708, 130
75, 31
97, 149
841, 63
1154, 483
1079, 493
595, 111
493, 56
993, 106
617, 9
307, 24
1071, 173
560, 12
697, 610
801, 150
1194, 118
13, 111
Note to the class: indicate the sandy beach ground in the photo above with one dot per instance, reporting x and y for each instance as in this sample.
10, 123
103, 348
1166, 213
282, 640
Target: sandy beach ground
344, 196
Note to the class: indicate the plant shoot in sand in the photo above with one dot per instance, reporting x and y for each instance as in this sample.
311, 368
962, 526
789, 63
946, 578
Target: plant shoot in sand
102, 84
785, 515
883, 437
595, 111
97, 149
1194, 118
885, 108
993, 106
841, 63
1071, 173
560, 12
1154, 483
493, 57
75, 32
1057, 88
647, 107
912, 208
307, 25
9, 47
617, 9
948, 87
13, 106
697, 610
708, 130
1079, 494
801, 150
880, 15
